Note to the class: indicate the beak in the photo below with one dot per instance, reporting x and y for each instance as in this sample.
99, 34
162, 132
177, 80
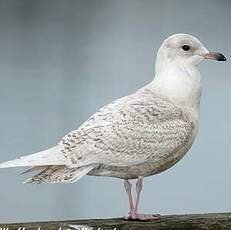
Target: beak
215, 56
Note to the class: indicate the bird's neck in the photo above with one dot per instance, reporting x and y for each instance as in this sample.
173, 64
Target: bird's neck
181, 85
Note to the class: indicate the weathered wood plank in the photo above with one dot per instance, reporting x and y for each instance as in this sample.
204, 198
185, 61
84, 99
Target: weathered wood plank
214, 221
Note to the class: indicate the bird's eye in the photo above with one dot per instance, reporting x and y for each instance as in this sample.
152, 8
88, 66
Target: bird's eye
186, 47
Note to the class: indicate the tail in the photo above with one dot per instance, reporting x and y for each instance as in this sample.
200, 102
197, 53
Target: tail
50, 156
60, 174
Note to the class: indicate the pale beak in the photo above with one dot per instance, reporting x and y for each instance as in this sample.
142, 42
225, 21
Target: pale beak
215, 56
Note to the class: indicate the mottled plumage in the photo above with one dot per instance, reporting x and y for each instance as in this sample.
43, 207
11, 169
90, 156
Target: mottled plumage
138, 135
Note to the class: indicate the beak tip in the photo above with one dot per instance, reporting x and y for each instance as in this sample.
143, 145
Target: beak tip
215, 56
221, 57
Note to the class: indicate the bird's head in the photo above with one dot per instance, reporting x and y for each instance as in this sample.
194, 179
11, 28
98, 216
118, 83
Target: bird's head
184, 49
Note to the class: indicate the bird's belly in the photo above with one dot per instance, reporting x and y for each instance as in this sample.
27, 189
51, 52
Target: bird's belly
144, 169
152, 167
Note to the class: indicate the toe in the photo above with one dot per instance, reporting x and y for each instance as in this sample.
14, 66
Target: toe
147, 217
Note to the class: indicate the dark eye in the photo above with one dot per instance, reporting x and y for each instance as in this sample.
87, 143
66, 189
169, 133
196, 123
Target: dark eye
186, 47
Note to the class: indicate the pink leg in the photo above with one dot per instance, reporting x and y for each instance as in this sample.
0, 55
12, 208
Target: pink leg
128, 188
135, 215
139, 187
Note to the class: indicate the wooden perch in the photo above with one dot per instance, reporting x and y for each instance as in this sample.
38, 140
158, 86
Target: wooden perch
221, 221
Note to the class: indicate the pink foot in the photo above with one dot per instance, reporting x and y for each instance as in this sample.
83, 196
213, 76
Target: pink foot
142, 217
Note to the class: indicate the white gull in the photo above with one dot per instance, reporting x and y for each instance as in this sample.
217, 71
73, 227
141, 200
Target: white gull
138, 135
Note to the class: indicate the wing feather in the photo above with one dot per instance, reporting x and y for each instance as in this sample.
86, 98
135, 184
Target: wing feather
129, 131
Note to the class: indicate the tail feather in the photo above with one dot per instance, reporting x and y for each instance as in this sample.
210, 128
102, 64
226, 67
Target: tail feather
60, 174
50, 156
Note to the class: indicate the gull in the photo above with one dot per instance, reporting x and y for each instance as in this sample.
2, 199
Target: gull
135, 136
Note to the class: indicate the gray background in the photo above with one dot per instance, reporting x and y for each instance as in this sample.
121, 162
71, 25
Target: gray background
62, 60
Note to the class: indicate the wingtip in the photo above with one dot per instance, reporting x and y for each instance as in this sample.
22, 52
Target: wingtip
5, 165
10, 164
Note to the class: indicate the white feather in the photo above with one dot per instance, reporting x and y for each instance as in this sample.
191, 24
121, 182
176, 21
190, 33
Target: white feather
50, 156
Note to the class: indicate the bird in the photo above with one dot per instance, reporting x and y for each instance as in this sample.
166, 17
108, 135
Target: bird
135, 136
